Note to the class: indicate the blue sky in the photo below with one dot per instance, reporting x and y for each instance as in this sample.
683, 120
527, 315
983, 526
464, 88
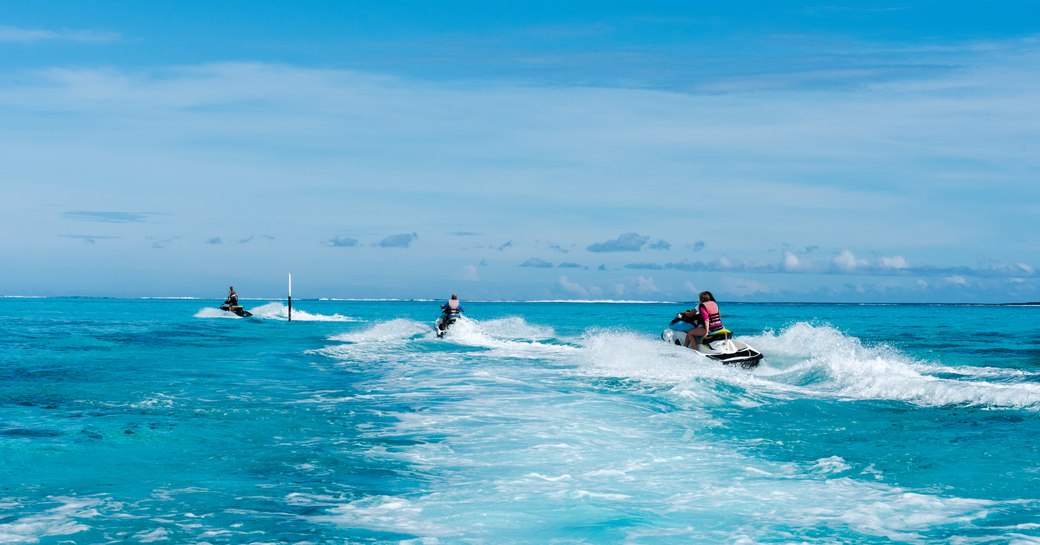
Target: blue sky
765, 151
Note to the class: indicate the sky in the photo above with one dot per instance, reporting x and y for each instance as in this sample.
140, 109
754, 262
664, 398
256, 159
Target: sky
766, 151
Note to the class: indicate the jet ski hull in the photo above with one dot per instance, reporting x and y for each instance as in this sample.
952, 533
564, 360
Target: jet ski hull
725, 350
442, 324
237, 309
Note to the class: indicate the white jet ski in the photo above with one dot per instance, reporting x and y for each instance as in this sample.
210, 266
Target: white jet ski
718, 346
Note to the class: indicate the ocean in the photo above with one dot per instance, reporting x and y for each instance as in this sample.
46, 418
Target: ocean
168, 421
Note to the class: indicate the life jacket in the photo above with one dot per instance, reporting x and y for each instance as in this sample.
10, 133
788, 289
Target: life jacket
232, 299
452, 308
714, 317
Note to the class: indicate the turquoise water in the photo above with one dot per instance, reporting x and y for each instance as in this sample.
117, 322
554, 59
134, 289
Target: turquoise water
139, 421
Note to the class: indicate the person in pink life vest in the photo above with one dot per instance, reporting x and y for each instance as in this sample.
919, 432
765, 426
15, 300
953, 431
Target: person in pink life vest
710, 320
450, 310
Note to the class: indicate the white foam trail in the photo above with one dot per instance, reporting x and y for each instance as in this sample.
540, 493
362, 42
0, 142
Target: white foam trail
506, 337
387, 514
215, 313
279, 311
62, 520
151, 536
381, 342
687, 374
525, 456
391, 331
399, 339
514, 328
633, 355
823, 361
809, 361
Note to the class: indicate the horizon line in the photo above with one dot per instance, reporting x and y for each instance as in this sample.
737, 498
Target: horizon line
537, 301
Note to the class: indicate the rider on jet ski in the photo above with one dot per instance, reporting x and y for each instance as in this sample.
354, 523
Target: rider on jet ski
450, 310
707, 312
232, 297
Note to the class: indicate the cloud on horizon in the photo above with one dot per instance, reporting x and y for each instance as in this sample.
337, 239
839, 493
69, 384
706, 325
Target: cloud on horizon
628, 242
557, 247
573, 287
403, 240
537, 263
159, 244
106, 217
89, 239
960, 129
660, 245
31, 35
844, 263
251, 238
342, 242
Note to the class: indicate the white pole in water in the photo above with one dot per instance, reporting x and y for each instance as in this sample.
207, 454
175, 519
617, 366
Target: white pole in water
290, 297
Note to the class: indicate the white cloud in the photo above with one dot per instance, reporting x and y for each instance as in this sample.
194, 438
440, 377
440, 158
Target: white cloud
402, 240
896, 262
342, 242
628, 242
537, 262
741, 287
956, 280
155, 119
791, 261
645, 284
26, 35
847, 261
573, 287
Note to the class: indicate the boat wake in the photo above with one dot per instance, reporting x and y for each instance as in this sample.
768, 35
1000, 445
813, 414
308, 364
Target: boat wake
813, 361
277, 311
802, 361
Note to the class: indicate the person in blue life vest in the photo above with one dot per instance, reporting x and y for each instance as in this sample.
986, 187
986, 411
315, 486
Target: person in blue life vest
450, 310
706, 316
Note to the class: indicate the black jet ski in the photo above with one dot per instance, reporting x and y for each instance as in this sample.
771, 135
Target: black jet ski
718, 346
236, 309
443, 323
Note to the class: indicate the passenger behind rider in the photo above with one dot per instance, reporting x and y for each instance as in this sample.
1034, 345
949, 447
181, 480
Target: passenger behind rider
709, 320
450, 310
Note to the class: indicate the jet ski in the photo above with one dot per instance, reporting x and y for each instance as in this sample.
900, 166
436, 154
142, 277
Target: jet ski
718, 346
443, 323
236, 309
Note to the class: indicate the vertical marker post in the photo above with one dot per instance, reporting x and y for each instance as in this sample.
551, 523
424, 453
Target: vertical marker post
290, 297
